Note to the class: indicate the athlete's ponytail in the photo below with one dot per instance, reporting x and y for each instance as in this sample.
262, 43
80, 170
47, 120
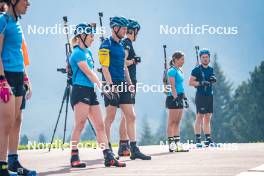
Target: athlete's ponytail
74, 41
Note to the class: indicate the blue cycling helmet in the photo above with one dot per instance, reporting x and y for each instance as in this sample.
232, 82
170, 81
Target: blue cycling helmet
133, 24
83, 28
118, 21
204, 51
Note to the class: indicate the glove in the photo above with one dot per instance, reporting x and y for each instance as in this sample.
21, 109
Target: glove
205, 83
26, 82
212, 79
5, 91
110, 92
27, 87
178, 101
137, 59
186, 104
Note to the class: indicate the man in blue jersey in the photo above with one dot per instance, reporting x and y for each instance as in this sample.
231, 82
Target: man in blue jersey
116, 76
202, 78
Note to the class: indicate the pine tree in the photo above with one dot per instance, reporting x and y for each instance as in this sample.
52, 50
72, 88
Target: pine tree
248, 112
24, 140
146, 138
187, 131
42, 138
221, 130
161, 133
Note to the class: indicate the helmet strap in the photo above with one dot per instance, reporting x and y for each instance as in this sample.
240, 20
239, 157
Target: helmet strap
14, 10
83, 40
116, 33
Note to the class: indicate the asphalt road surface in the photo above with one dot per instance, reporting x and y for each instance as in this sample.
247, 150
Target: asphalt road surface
236, 159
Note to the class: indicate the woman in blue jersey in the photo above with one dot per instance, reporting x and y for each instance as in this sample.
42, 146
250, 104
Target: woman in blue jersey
83, 97
175, 101
12, 80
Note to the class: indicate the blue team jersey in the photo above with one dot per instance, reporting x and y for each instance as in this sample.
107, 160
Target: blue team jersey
12, 56
177, 74
117, 59
78, 55
203, 74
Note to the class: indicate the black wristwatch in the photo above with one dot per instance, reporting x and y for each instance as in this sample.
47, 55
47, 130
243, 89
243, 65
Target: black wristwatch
2, 77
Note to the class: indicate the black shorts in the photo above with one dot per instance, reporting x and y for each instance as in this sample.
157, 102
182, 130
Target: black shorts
125, 97
172, 103
83, 94
204, 104
16, 82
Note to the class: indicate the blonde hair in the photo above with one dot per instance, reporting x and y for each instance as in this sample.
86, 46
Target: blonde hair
74, 41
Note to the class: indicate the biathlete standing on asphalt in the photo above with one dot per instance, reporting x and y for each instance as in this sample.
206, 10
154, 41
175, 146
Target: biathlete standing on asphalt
175, 101
13, 77
116, 76
83, 96
132, 60
202, 78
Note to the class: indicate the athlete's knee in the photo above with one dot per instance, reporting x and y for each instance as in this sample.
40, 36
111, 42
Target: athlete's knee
109, 118
79, 126
9, 120
177, 122
18, 119
172, 122
131, 118
198, 121
7, 128
100, 128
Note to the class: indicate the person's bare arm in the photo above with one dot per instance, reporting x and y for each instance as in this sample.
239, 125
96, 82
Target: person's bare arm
107, 75
173, 88
1, 47
193, 82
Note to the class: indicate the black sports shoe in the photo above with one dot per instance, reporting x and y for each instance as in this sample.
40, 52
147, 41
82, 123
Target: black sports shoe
3, 169
136, 154
20, 170
110, 160
75, 160
123, 149
209, 143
